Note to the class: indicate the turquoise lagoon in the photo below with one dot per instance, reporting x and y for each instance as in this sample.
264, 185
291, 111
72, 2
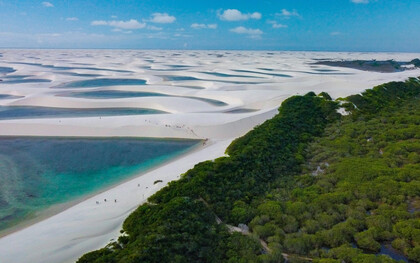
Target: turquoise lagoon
39, 172
27, 112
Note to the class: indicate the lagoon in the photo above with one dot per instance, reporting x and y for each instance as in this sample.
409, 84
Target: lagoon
26, 112
39, 172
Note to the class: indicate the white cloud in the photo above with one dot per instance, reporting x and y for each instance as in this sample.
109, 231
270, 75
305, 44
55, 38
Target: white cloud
336, 33
236, 15
253, 33
162, 18
288, 14
47, 4
279, 26
129, 24
360, 1
154, 28
72, 19
99, 23
201, 26
50, 35
274, 24
122, 31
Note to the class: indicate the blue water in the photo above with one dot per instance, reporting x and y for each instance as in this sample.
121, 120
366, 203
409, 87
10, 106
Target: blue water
93, 83
223, 75
319, 72
325, 70
113, 94
6, 70
262, 73
23, 112
81, 74
16, 76
7, 96
240, 110
71, 68
36, 173
168, 69
187, 78
23, 80
178, 78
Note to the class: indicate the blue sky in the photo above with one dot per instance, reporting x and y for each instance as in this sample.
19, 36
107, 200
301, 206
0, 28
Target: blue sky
331, 25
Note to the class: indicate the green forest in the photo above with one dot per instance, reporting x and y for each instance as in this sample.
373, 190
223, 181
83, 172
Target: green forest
309, 185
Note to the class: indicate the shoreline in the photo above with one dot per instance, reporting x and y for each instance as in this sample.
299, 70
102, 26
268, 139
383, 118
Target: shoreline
63, 237
55, 209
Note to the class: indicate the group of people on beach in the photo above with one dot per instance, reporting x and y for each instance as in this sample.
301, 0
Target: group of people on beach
115, 200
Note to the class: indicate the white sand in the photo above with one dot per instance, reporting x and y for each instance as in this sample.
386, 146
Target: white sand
87, 226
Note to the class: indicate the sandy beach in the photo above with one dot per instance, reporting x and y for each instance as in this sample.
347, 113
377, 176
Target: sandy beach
247, 93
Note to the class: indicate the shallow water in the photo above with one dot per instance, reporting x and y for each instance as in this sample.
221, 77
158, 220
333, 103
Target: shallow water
240, 110
24, 112
262, 73
23, 80
114, 94
105, 82
72, 68
210, 101
81, 74
36, 173
5, 70
178, 78
223, 75
8, 97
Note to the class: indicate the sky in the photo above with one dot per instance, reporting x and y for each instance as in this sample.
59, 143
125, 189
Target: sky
314, 25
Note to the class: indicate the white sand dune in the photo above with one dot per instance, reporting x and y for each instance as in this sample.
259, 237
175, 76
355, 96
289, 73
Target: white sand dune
87, 226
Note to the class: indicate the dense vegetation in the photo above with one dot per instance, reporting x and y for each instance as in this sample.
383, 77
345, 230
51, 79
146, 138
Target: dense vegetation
310, 185
372, 65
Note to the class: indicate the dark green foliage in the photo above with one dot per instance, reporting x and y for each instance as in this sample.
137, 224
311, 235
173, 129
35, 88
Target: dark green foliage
416, 62
367, 240
242, 249
307, 182
256, 160
359, 177
325, 95
183, 230
372, 65
384, 96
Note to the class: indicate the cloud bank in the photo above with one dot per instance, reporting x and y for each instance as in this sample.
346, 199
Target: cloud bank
203, 26
47, 4
129, 24
252, 33
236, 15
162, 18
